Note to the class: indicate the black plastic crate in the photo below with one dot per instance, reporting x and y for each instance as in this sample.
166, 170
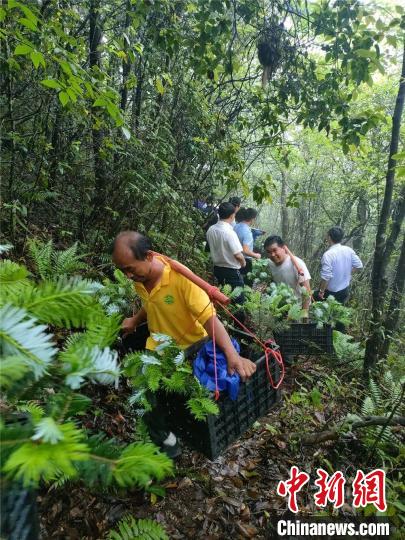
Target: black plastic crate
19, 515
210, 437
305, 338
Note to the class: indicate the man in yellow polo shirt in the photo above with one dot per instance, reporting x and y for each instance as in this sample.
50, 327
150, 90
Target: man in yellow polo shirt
172, 304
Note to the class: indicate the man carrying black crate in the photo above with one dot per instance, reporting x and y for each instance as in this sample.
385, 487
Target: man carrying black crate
171, 305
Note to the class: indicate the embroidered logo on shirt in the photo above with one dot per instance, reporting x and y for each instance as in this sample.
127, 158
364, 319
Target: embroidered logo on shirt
169, 299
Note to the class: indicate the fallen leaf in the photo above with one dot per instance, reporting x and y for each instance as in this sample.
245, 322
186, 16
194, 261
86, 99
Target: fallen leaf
248, 531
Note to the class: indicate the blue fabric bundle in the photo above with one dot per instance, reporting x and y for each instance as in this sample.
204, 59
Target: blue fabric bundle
204, 370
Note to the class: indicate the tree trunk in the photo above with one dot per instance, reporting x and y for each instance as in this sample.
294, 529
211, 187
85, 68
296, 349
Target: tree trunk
284, 210
362, 214
392, 318
126, 63
378, 277
100, 174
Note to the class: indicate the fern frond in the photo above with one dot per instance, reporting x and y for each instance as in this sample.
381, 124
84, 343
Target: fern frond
102, 330
64, 303
12, 436
13, 279
67, 262
41, 256
48, 431
153, 375
5, 248
20, 335
176, 383
97, 471
139, 463
143, 529
33, 462
32, 408
12, 369
368, 407
201, 407
375, 394
99, 365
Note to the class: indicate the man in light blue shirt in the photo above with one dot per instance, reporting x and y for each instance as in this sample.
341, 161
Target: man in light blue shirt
337, 265
245, 218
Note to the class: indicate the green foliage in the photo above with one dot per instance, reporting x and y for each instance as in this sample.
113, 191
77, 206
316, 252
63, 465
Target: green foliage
330, 311
22, 336
271, 310
144, 529
260, 273
382, 397
348, 350
12, 276
50, 263
166, 369
13, 368
32, 462
201, 407
119, 296
138, 463
63, 303
40, 440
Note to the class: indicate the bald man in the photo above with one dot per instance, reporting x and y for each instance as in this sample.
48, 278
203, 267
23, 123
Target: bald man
171, 303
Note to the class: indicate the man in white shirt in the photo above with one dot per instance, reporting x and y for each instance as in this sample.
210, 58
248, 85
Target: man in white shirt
337, 265
225, 248
285, 269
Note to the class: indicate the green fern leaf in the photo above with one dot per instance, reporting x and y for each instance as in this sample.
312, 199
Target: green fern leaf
375, 394
99, 365
102, 330
41, 255
202, 407
65, 303
139, 463
21, 335
97, 471
176, 383
12, 369
5, 248
368, 407
153, 375
142, 529
32, 408
13, 279
67, 262
33, 462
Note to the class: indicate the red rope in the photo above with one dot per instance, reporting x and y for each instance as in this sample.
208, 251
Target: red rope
215, 360
268, 351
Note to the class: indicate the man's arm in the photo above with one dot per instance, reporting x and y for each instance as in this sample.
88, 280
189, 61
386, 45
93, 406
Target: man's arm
326, 274
306, 300
240, 258
356, 262
250, 253
237, 363
129, 324
322, 287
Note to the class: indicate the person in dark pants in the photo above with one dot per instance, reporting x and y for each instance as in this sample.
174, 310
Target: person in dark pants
171, 305
225, 248
337, 265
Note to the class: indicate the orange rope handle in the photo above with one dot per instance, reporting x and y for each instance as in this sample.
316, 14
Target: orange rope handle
213, 292
215, 360
268, 351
